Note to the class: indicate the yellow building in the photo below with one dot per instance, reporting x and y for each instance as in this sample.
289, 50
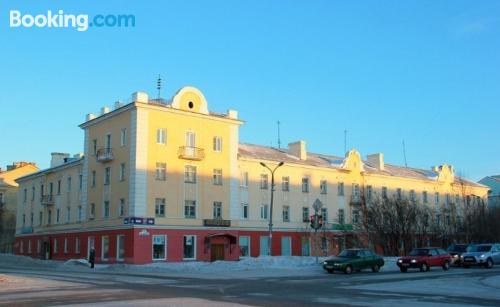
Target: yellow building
8, 201
170, 181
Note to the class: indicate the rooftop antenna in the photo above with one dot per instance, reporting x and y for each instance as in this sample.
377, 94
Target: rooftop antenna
404, 153
345, 141
279, 139
158, 86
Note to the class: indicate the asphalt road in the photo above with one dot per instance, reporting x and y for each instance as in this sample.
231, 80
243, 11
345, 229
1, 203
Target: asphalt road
475, 286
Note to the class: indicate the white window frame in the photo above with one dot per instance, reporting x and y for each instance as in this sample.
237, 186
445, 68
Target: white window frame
283, 213
244, 180
249, 246
29, 246
217, 144
243, 211
164, 248
217, 176
194, 250
65, 247
161, 171
106, 213
118, 258
121, 207
102, 248
264, 212
217, 209
55, 247
123, 137
122, 172
77, 245
161, 136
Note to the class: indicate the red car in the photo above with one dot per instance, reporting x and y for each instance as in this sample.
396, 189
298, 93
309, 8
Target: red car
424, 259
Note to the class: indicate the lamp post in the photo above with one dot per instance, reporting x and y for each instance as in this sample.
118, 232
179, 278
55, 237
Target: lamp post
271, 209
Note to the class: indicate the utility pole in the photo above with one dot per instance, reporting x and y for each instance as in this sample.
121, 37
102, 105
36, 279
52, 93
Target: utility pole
270, 245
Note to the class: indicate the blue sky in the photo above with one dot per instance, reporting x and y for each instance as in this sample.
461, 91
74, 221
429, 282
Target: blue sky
427, 72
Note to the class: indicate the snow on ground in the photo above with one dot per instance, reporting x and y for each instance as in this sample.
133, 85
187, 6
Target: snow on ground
263, 266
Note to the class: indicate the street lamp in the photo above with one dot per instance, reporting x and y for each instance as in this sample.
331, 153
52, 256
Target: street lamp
271, 210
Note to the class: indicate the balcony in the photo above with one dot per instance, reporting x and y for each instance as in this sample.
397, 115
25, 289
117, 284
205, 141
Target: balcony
355, 200
191, 153
104, 155
48, 200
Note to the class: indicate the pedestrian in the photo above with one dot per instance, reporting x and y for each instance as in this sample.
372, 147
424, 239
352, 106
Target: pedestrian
92, 257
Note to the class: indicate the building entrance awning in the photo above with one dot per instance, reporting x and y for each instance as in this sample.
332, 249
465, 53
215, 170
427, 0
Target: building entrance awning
232, 238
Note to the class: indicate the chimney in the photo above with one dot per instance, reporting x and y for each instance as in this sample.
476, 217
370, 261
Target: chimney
118, 104
376, 160
104, 110
140, 97
233, 114
58, 158
90, 116
298, 149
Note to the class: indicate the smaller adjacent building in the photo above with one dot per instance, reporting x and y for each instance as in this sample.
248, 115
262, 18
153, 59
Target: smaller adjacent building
8, 201
493, 182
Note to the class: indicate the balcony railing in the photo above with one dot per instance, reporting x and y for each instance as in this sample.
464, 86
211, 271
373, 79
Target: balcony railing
48, 200
355, 199
104, 155
191, 153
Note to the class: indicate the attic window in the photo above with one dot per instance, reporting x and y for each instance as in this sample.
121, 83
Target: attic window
190, 104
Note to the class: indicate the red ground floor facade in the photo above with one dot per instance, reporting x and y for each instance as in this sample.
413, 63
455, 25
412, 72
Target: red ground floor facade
140, 245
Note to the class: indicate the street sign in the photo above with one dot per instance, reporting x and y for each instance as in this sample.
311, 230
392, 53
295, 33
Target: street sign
317, 205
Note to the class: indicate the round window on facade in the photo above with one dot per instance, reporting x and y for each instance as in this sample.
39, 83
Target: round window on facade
191, 104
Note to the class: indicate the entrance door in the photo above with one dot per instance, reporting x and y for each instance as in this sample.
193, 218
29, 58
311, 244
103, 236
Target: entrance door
217, 252
305, 246
46, 251
90, 245
286, 246
264, 246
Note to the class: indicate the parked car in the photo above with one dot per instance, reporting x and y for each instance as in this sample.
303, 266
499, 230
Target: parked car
455, 251
350, 260
424, 259
481, 255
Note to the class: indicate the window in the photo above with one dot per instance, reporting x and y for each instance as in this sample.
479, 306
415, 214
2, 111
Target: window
58, 215
244, 211
245, 246
80, 213
55, 246
217, 144
190, 174
341, 216
25, 195
77, 245
217, 176
32, 194
159, 247
107, 175
384, 192
106, 209
21, 247
424, 197
80, 182
49, 217
412, 195
92, 183
38, 246
190, 209
161, 136
264, 209
436, 198
161, 171
340, 189
59, 187
305, 214
94, 147
123, 137
355, 216
244, 180
160, 207
217, 210
399, 193
285, 184
68, 184
369, 192
92, 211
323, 186
41, 190
105, 248
120, 247
122, 172
324, 214
263, 181
65, 250
305, 185
31, 219
447, 199
40, 218
355, 192
286, 213
189, 247
190, 139
68, 215
29, 246
121, 210
24, 220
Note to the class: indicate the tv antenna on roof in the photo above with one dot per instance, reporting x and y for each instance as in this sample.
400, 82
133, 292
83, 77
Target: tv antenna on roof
279, 139
404, 153
158, 85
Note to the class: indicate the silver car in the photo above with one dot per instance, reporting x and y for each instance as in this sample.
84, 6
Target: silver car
481, 255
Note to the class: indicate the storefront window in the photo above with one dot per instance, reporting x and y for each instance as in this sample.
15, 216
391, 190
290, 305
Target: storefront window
159, 244
105, 248
245, 246
189, 247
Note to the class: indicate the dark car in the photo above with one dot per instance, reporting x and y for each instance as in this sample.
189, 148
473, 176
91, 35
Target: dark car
350, 260
424, 259
455, 251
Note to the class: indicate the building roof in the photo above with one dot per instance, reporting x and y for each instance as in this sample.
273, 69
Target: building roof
70, 162
329, 161
17, 170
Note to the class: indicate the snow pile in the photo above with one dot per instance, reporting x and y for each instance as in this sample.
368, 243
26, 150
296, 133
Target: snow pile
77, 262
9, 259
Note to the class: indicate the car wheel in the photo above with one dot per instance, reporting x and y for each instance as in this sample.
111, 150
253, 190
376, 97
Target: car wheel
403, 270
348, 269
446, 266
330, 271
489, 263
424, 267
375, 268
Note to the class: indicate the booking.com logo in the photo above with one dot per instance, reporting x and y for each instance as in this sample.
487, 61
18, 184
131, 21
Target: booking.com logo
80, 22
